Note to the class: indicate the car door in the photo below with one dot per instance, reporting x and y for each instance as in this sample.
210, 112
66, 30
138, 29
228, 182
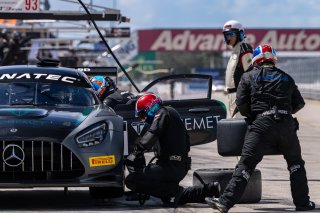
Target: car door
190, 95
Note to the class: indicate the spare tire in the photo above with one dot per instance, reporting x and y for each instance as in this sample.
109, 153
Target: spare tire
230, 137
252, 193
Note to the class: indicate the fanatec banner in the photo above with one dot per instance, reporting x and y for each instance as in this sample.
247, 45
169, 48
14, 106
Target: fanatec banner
213, 40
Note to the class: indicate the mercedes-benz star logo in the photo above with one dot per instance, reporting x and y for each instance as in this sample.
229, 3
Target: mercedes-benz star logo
13, 130
13, 155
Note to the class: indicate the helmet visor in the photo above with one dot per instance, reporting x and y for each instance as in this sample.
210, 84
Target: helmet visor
142, 115
230, 34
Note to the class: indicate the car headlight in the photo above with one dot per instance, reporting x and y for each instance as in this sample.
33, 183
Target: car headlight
92, 137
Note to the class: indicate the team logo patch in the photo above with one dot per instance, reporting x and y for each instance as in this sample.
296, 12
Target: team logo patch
102, 161
138, 126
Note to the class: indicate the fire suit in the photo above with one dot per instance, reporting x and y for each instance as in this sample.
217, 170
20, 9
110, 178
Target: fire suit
115, 97
239, 62
168, 137
268, 97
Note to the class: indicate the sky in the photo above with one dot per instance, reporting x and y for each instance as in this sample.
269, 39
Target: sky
157, 14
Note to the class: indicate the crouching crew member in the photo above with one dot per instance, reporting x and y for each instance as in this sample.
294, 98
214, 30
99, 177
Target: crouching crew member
168, 137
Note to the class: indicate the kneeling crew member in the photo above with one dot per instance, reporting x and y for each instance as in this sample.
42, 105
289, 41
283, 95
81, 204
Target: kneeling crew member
168, 137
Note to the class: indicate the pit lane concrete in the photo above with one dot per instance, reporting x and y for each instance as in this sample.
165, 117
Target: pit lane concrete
276, 195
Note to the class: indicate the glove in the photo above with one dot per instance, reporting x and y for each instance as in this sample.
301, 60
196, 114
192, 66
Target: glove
135, 161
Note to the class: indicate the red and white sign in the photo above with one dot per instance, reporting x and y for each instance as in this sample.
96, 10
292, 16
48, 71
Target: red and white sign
213, 40
19, 6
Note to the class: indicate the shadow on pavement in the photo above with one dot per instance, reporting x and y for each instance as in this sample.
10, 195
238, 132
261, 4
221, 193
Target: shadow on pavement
78, 200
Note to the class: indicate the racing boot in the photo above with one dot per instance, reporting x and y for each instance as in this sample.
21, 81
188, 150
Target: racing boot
311, 205
215, 204
197, 194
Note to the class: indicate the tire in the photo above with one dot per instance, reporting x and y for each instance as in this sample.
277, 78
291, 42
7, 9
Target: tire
252, 193
230, 137
106, 192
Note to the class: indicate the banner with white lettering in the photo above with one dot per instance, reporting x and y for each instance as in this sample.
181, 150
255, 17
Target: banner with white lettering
213, 40
31, 6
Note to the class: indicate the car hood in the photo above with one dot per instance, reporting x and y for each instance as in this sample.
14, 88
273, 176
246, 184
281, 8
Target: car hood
40, 123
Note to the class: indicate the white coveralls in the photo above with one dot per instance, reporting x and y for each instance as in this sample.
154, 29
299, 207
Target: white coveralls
239, 62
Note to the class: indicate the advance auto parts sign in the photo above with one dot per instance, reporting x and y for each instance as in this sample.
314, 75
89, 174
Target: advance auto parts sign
213, 40
19, 6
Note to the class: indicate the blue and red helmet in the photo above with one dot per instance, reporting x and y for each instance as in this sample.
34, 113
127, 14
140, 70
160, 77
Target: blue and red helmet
102, 84
147, 106
99, 84
264, 53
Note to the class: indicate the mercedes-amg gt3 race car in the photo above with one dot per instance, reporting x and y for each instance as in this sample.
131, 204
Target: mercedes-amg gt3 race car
54, 131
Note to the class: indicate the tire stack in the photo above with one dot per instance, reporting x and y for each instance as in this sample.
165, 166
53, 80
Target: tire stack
252, 192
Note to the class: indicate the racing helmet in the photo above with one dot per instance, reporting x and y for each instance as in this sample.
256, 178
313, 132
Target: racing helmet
102, 85
147, 106
233, 28
264, 53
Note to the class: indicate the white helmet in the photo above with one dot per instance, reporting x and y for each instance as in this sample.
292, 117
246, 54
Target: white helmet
232, 25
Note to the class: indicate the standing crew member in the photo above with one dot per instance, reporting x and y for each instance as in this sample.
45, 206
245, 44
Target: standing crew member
268, 97
239, 62
168, 137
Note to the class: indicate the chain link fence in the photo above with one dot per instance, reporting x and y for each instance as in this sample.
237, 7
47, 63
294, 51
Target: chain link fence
306, 73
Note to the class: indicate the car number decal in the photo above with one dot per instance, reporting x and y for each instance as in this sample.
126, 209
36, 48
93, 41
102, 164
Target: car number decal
102, 161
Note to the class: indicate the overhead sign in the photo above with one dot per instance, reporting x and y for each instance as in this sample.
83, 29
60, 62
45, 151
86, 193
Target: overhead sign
213, 40
31, 6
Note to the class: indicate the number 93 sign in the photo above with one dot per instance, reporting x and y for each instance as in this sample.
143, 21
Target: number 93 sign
19, 6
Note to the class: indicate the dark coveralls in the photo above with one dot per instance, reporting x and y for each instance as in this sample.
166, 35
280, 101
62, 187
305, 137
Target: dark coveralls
168, 136
267, 96
115, 97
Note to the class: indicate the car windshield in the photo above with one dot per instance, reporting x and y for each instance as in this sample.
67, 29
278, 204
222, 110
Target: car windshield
35, 93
